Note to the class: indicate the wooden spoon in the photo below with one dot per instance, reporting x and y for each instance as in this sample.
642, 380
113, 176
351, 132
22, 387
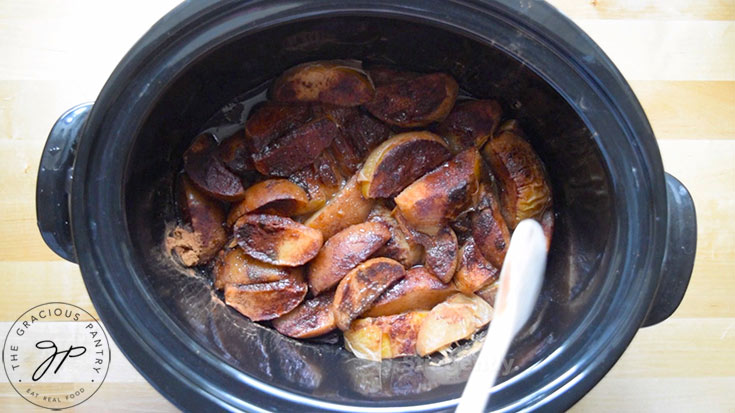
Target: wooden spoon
520, 282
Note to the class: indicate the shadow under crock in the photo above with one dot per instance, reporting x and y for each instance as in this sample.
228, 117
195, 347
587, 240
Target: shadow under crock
585, 217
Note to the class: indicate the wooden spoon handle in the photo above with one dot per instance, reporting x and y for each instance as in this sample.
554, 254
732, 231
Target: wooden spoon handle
520, 282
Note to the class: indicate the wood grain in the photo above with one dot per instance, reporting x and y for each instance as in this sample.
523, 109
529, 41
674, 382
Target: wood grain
647, 9
677, 54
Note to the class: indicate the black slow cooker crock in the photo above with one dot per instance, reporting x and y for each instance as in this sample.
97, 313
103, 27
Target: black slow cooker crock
622, 252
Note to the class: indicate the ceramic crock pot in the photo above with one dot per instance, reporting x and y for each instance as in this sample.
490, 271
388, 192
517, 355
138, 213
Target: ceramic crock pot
620, 260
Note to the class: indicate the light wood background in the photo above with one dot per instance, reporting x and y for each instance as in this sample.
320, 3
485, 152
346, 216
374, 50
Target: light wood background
678, 55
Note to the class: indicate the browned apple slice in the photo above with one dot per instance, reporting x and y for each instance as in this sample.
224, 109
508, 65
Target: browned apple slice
343, 251
335, 82
455, 319
347, 207
277, 240
525, 191
400, 160
233, 266
361, 286
365, 132
311, 318
441, 195
236, 155
442, 254
271, 120
265, 301
199, 241
489, 292
474, 270
491, 235
418, 290
273, 196
385, 337
399, 247
296, 149
414, 102
321, 180
346, 154
207, 171
470, 124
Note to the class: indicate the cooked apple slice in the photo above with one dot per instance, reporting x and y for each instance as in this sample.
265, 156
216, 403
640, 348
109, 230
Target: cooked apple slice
271, 120
361, 286
399, 247
321, 180
311, 318
236, 155
207, 171
347, 207
346, 154
470, 124
296, 149
414, 102
441, 195
265, 301
442, 254
205, 234
418, 290
334, 82
365, 132
277, 240
385, 337
273, 196
399, 161
489, 292
233, 266
525, 191
491, 235
343, 251
453, 320
474, 270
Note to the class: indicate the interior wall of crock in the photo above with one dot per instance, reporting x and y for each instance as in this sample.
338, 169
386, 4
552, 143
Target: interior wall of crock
579, 180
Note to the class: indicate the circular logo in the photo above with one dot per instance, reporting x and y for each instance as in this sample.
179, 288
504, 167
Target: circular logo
56, 355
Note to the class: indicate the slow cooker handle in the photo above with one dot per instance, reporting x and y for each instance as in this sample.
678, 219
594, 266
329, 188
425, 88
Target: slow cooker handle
53, 185
681, 245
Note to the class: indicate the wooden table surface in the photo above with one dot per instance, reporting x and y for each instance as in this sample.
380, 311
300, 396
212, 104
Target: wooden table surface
678, 55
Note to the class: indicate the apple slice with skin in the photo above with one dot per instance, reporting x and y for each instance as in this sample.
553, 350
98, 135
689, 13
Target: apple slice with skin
399, 161
275, 196
418, 290
205, 234
296, 149
361, 286
312, 318
470, 124
455, 319
347, 207
474, 272
525, 190
233, 266
441, 195
265, 301
277, 240
343, 251
336, 82
416, 101
270, 120
385, 337
206, 170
